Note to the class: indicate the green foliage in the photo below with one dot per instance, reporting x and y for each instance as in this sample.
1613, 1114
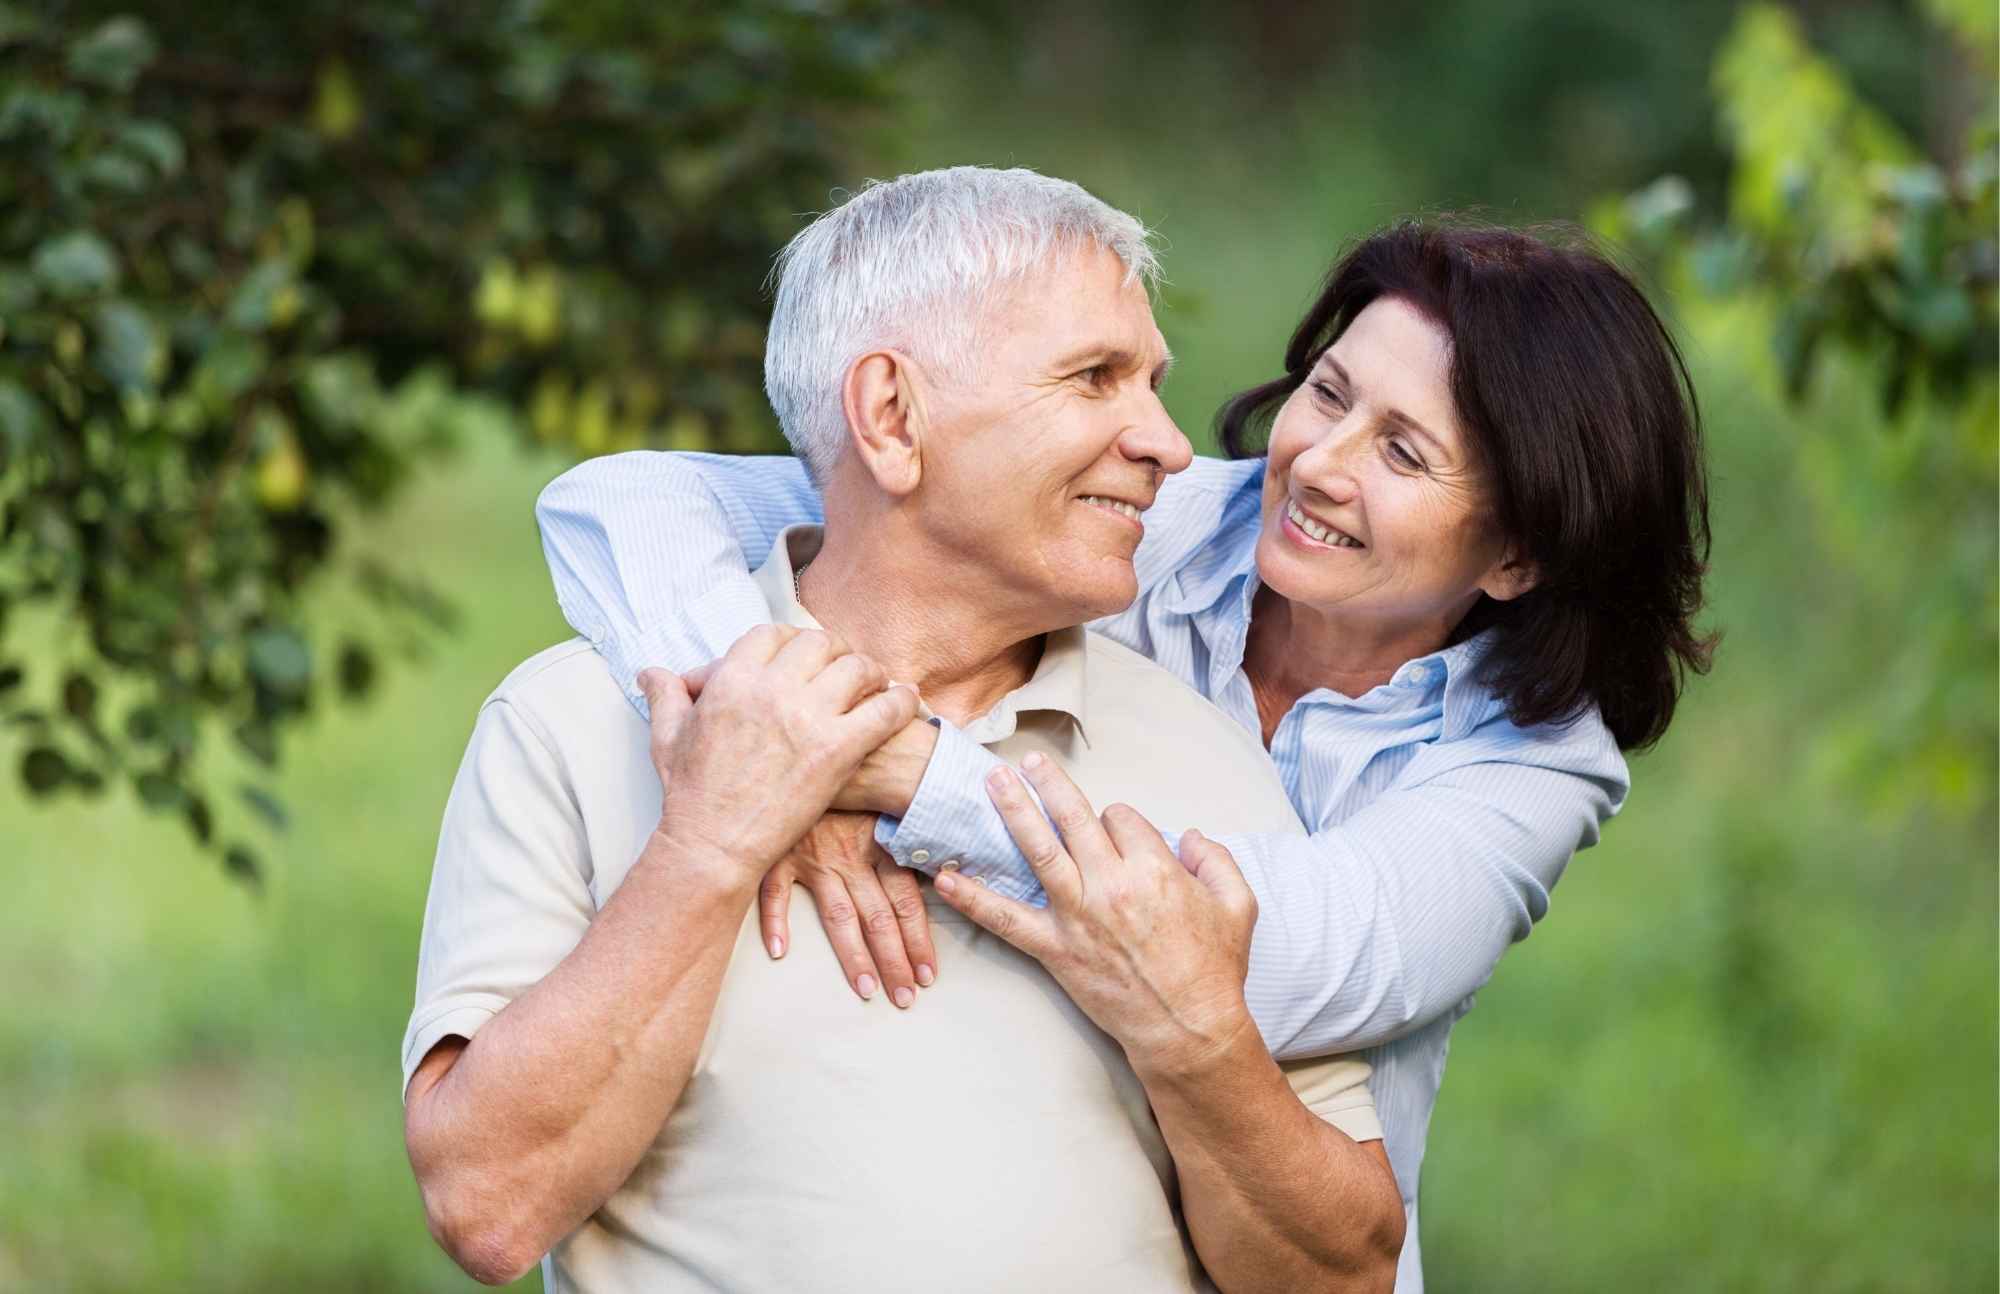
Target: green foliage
1871, 271
257, 261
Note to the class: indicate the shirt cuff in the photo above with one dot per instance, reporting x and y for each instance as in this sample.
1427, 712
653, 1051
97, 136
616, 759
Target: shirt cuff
951, 822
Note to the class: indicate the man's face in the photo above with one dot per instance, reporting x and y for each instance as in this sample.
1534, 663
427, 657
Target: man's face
1033, 465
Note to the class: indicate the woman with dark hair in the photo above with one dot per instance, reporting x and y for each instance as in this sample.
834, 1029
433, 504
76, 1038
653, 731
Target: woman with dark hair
1457, 582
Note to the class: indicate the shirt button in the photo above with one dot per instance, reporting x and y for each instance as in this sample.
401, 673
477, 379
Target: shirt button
920, 856
949, 864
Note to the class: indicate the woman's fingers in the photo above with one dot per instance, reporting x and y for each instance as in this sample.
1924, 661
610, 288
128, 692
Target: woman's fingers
1033, 835
882, 929
841, 920
774, 902
906, 900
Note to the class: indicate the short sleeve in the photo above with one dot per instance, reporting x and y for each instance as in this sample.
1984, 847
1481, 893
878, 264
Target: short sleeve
510, 893
1336, 1089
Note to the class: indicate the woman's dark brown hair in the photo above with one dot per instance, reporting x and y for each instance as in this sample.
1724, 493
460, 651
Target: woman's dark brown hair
1582, 414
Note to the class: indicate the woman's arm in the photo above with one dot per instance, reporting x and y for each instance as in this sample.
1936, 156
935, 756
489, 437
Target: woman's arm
1378, 923
651, 553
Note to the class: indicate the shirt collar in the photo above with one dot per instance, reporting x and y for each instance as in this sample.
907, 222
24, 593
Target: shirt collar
1059, 683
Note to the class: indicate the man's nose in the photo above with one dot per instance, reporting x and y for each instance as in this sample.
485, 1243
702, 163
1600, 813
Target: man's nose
1154, 437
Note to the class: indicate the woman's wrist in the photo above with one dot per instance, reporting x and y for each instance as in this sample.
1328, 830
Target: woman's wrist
887, 781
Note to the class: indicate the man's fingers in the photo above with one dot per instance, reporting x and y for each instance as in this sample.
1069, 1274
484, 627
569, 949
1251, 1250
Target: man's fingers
1032, 833
1215, 867
760, 644
1132, 835
880, 717
883, 931
842, 922
697, 678
906, 898
667, 705
807, 653
1029, 929
774, 902
1082, 834
848, 679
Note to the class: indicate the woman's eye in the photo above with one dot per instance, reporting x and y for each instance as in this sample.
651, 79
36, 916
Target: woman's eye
1331, 396
1405, 456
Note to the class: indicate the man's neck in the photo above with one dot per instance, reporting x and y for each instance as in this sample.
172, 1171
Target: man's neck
919, 616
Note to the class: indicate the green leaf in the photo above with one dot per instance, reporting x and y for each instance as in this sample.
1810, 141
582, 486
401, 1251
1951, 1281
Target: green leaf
114, 54
80, 698
22, 418
28, 111
241, 863
158, 791
156, 143
266, 806
253, 307
75, 263
44, 769
131, 353
116, 172
281, 660
200, 820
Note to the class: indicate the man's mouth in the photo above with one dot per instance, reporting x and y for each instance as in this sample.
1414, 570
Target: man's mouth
1318, 531
1119, 506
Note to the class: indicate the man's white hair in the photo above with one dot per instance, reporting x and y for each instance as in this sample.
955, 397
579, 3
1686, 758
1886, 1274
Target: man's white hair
916, 263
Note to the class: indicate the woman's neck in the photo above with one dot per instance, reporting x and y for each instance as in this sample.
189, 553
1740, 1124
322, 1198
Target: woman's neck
1294, 649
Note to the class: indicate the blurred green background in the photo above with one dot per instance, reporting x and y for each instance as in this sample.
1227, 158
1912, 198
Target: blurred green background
1753, 1047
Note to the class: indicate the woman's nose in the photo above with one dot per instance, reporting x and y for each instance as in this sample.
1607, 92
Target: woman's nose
1330, 465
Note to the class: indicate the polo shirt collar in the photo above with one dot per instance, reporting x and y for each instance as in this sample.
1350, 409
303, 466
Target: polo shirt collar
1059, 684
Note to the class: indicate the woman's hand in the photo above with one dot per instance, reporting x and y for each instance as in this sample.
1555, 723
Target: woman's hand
871, 909
1153, 948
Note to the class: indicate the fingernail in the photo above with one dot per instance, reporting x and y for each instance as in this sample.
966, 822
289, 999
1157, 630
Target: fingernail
979, 880
947, 882
1033, 760
997, 779
865, 986
925, 975
777, 947
904, 996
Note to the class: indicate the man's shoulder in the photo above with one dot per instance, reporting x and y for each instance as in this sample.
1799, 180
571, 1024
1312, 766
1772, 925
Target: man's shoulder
1133, 686
564, 685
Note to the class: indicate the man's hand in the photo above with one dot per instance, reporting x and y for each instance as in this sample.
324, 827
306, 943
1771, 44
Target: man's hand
1152, 947
889, 775
871, 909
783, 720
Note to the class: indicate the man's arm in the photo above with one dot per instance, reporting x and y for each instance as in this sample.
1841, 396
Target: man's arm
521, 1132
1152, 947
1275, 1198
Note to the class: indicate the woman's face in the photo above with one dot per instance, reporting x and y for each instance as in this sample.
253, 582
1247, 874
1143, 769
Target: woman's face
1376, 512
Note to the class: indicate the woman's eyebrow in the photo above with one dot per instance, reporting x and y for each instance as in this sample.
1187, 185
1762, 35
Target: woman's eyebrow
1396, 416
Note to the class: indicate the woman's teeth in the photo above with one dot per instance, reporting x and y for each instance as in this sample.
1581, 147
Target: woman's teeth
1323, 534
1113, 504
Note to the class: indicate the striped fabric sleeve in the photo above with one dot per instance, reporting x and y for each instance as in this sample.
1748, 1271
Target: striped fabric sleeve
1370, 929
651, 552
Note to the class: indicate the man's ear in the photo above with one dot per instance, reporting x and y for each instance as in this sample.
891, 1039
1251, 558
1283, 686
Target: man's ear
880, 397
1511, 576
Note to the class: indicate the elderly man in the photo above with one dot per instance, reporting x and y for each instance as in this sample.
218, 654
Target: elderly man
601, 1064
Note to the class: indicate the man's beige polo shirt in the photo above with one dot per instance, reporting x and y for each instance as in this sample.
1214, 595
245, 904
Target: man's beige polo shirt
991, 1138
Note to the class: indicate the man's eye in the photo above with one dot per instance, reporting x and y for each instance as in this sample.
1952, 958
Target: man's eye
1097, 375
